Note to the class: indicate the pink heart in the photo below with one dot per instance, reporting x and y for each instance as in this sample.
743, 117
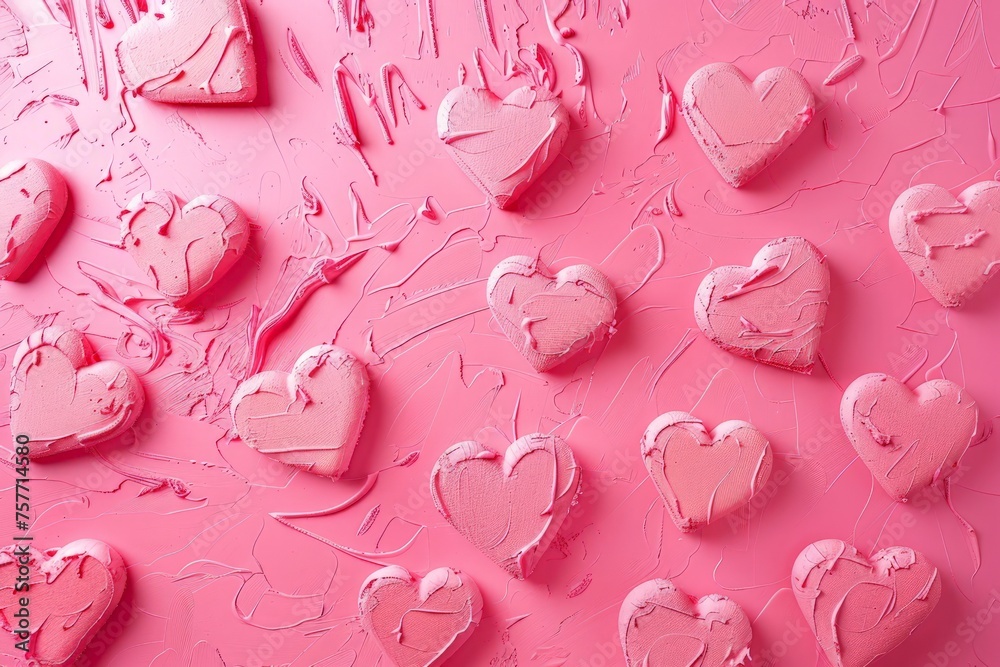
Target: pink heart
953, 245
193, 52
502, 145
861, 608
62, 398
908, 439
703, 476
550, 318
311, 418
419, 622
661, 626
744, 126
771, 311
510, 507
72, 593
184, 249
33, 197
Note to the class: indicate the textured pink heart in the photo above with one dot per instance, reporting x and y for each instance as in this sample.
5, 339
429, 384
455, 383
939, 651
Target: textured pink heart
662, 626
502, 145
192, 52
860, 608
550, 318
771, 311
184, 249
701, 475
908, 439
72, 593
511, 506
63, 398
419, 622
744, 126
952, 245
33, 197
311, 418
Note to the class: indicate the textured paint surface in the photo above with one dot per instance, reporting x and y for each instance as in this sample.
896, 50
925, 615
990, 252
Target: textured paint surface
385, 249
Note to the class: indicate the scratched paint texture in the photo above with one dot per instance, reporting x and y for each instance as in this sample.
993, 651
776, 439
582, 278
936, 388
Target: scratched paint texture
365, 234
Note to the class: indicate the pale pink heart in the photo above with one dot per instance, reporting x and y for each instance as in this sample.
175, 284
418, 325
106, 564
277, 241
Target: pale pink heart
951, 244
63, 398
549, 318
701, 475
661, 626
743, 125
908, 439
184, 249
860, 608
33, 196
311, 418
510, 506
73, 592
191, 52
502, 145
771, 311
419, 622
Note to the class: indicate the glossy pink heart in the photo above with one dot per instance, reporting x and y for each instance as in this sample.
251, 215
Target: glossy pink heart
63, 398
33, 196
550, 318
509, 506
184, 249
419, 622
860, 608
771, 311
951, 244
908, 439
192, 51
662, 626
311, 418
72, 593
743, 125
502, 145
701, 475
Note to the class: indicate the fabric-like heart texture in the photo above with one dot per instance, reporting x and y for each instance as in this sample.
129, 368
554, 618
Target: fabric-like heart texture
502, 145
419, 622
73, 591
861, 608
63, 398
311, 418
742, 125
191, 52
184, 249
33, 197
509, 506
663, 626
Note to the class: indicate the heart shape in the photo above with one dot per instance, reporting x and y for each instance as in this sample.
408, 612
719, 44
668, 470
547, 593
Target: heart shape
419, 622
908, 439
63, 398
192, 52
72, 593
33, 196
744, 126
502, 145
661, 626
771, 311
184, 249
951, 244
512, 506
703, 476
311, 418
862, 608
550, 318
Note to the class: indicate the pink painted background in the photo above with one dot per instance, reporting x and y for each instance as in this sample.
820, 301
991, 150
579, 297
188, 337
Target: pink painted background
221, 572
